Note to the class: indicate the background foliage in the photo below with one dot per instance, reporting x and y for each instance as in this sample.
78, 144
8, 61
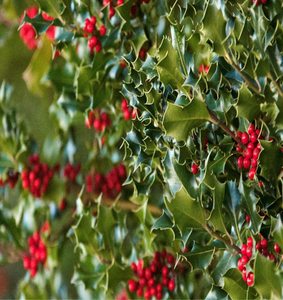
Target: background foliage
194, 74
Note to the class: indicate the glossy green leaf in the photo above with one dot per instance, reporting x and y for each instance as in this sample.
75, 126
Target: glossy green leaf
271, 161
186, 211
234, 284
178, 122
265, 275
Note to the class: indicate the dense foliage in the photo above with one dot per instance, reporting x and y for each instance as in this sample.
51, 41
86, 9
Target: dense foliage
141, 148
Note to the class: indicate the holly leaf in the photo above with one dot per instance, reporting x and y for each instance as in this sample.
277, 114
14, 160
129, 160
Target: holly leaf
234, 284
117, 274
248, 104
51, 7
186, 211
271, 161
265, 275
278, 232
200, 256
249, 201
215, 31
179, 121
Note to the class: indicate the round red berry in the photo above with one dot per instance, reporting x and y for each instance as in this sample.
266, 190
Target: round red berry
240, 162
170, 258
240, 265
254, 137
251, 129
250, 279
246, 163
244, 249
277, 249
264, 243
250, 242
171, 285
245, 138
252, 173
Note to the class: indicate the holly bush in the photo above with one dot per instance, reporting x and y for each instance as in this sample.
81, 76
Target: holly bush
141, 148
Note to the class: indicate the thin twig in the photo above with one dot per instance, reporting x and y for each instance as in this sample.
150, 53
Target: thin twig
222, 239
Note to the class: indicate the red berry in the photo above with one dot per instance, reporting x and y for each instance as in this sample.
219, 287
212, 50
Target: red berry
159, 295
134, 267
26, 262
251, 129
165, 271
249, 252
250, 242
171, 285
251, 145
142, 282
271, 256
248, 219
33, 272
254, 137
249, 153
254, 162
240, 162
170, 258
147, 273
252, 173
240, 265
93, 20
139, 291
264, 243
250, 279
92, 42
258, 247
165, 281
98, 47
151, 282
153, 291
277, 249
33, 263
244, 249
124, 104
120, 2
132, 286
245, 259
245, 138
194, 168
265, 252
127, 114
159, 287
239, 134
147, 294
246, 163
102, 30
111, 12
163, 253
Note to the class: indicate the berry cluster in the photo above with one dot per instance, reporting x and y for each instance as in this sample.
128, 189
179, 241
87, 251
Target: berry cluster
155, 278
249, 160
28, 33
128, 111
203, 69
247, 253
110, 185
71, 171
37, 176
12, 179
37, 254
258, 2
97, 120
93, 42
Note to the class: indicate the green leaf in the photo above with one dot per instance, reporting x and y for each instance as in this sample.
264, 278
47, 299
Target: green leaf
167, 56
123, 11
200, 256
215, 31
249, 202
265, 275
117, 274
106, 229
178, 122
234, 284
227, 261
186, 211
163, 222
52, 7
248, 105
86, 235
271, 161
278, 232
51, 149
